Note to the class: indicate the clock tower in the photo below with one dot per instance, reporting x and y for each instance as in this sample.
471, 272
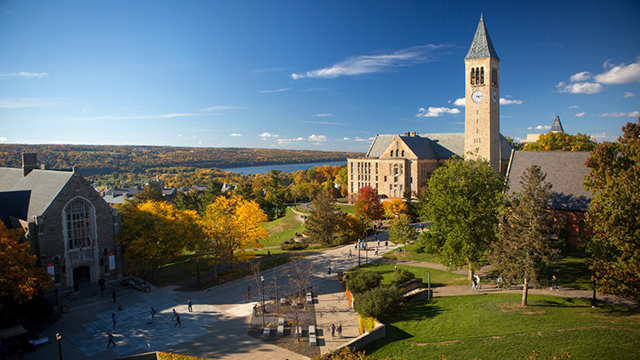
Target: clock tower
482, 99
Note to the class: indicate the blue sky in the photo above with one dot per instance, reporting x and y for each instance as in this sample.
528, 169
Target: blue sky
323, 75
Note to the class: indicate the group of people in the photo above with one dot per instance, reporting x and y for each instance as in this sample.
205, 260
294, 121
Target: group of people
337, 329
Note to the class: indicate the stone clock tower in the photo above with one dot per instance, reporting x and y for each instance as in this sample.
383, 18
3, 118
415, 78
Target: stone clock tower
482, 99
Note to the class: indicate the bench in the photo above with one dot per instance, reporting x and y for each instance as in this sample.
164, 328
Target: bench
280, 330
283, 301
280, 321
43, 340
267, 331
312, 340
312, 330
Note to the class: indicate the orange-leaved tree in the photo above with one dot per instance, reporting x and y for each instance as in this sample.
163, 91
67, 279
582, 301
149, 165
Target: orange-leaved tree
230, 226
20, 279
368, 205
394, 207
156, 233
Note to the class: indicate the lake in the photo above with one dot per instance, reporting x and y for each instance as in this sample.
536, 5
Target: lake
284, 168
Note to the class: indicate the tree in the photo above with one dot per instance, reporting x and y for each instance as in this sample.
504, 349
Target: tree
402, 276
350, 227
526, 244
361, 281
156, 233
463, 199
561, 141
20, 279
380, 302
322, 221
275, 194
148, 193
394, 207
614, 181
230, 226
368, 205
401, 231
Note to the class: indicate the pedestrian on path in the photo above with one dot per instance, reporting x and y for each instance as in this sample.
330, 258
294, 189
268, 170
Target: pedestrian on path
333, 331
101, 282
554, 283
175, 314
376, 253
340, 329
114, 296
110, 335
474, 285
477, 279
190, 305
329, 270
113, 319
153, 313
350, 254
255, 309
178, 323
386, 244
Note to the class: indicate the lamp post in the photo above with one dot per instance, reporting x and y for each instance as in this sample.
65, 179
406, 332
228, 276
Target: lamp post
262, 291
429, 285
359, 246
59, 337
198, 270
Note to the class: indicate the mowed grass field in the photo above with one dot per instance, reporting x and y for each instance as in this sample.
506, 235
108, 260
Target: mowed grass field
438, 277
496, 327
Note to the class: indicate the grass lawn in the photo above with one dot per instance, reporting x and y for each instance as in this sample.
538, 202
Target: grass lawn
349, 209
438, 277
411, 254
282, 229
572, 271
495, 327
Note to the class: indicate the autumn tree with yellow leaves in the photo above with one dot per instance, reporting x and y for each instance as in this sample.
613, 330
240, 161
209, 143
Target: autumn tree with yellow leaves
230, 226
156, 233
20, 279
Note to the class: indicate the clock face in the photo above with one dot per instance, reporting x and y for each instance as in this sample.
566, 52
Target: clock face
494, 97
476, 96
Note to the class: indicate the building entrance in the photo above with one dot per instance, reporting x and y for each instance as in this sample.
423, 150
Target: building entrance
81, 274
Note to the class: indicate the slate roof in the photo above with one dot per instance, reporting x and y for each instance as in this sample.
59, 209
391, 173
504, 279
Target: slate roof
481, 46
44, 185
557, 125
565, 171
14, 204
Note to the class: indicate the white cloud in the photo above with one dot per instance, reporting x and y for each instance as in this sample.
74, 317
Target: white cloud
367, 64
266, 135
345, 138
289, 141
273, 91
3, 139
620, 74
315, 137
504, 101
628, 94
436, 111
574, 107
134, 117
361, 139
459, 102
539, 127
601, 137
580, 114
235, 134
581, 76
322, 122
580, 88
323, 115
25, 74
219, 108
621, 114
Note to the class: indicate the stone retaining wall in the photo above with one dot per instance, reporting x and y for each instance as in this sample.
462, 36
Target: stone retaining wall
367, 338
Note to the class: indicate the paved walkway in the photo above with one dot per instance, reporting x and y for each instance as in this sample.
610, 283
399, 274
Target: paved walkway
332, 308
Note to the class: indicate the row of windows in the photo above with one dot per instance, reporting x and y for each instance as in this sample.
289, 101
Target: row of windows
398, 153
477, 76
78, 225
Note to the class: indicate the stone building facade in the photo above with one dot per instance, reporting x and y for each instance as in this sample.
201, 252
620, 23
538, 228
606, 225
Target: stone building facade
68, 225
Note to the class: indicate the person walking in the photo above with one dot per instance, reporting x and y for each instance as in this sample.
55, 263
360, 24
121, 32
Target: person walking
178, 323
175, 314
113, 319
153, 313
386, 244
554, 283
333, 331
350, 254
340, 329
190, 305
110, 336
376, 252
329, 270
477, 280
114, 296
474, 286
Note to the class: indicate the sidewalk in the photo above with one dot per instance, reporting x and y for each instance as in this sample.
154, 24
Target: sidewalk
333, 307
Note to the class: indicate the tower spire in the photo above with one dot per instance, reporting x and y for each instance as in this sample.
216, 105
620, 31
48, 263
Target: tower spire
481, 46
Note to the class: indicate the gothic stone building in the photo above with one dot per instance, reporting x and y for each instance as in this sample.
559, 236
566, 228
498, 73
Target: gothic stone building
395, 163
68, 225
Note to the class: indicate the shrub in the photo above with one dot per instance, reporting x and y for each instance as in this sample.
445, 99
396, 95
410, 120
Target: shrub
361, 281
402, 276
379, 303
366, 323
294, 246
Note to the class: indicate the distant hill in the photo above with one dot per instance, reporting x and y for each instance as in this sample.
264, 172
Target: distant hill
109, 159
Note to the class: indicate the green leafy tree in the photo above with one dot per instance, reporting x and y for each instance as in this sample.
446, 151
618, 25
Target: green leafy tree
381, 302
361, 281
322, 221
401, 231
613, 214
463, 200
526, 244
350, 227
148, 193
561, 141
402, 276
368, 205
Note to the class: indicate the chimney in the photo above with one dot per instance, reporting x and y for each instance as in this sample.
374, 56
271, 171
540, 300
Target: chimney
29, 162
413, 134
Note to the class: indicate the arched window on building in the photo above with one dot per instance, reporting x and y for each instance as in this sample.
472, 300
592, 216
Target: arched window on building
477, 76
473, 75
581, 228
397, 153
78, 225
482, 75
402, 153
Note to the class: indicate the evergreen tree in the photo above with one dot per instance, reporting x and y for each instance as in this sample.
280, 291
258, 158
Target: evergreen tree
323, 220
526, 244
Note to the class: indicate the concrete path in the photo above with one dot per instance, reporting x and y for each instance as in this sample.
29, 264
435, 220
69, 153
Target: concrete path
333, 308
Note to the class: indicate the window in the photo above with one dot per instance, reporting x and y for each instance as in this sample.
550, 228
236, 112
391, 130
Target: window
494, 76
473, 75
482, 75
477, 76
402, 153
78, 225
397, 152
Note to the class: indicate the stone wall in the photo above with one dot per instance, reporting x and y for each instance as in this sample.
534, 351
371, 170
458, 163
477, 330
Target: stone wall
367, 338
